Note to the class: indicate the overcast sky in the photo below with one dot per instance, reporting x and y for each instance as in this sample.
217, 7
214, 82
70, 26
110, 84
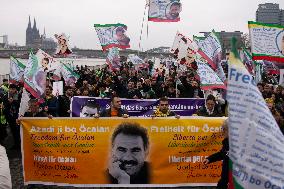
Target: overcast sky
76, 19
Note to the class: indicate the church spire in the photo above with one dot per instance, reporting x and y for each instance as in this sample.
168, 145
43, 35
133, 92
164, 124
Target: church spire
34, 27
44, 35
29, 25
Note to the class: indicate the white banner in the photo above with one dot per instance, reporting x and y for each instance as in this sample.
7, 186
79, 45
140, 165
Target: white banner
112, 35
164, 11
267, 41
208, 78
57, 88
113, 58
16, 70
281, 80
256, 142
211, 49
184, 49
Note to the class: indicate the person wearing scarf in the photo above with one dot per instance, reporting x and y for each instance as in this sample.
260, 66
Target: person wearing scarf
163, 109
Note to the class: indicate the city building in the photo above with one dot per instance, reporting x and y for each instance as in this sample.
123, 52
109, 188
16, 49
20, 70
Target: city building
4, 44
270, 13
35, 40
159, 50
226, 38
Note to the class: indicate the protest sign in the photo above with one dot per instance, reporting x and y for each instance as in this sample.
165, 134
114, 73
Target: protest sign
16, 70
184, 50
256, 142
69, 75
113, 59
35, 76
63, 47
210, 49
267, 41
57, 88
208, 78
164, 11
112, 35
78, 152
136, 107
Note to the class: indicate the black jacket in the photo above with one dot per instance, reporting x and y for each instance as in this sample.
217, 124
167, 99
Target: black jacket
216, 113
222, 155
63, 106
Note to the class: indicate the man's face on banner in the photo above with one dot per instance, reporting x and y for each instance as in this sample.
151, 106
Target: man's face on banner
174, 11
129, 151
120, 33
44, 62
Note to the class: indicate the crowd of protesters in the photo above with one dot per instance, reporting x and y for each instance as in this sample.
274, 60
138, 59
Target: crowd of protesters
128, 82
131, 82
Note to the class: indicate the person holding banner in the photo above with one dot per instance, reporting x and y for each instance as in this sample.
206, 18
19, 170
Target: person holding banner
210, 109
163, 109
50, 102
222, 155
35, 111
64, 102
130, 147
115, 109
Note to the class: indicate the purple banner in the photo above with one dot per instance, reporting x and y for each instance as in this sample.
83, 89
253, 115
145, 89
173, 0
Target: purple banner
88, 106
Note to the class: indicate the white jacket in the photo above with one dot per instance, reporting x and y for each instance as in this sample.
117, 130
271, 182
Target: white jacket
5, 176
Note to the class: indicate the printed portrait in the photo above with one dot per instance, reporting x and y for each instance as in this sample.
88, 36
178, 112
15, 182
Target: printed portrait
128, 155
173, 10
121, 37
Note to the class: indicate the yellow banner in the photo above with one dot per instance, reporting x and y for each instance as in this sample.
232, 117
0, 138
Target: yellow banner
98, 152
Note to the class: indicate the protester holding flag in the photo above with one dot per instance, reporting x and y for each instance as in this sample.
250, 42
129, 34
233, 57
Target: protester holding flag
35, 111
50, 104
64, 102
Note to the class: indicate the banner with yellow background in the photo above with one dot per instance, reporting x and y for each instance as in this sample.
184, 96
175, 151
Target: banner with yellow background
76, 151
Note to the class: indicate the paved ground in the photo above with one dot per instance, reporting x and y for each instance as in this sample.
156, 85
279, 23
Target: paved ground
17, 171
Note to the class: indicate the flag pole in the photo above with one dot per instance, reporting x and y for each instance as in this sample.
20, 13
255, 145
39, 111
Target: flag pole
142, 26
